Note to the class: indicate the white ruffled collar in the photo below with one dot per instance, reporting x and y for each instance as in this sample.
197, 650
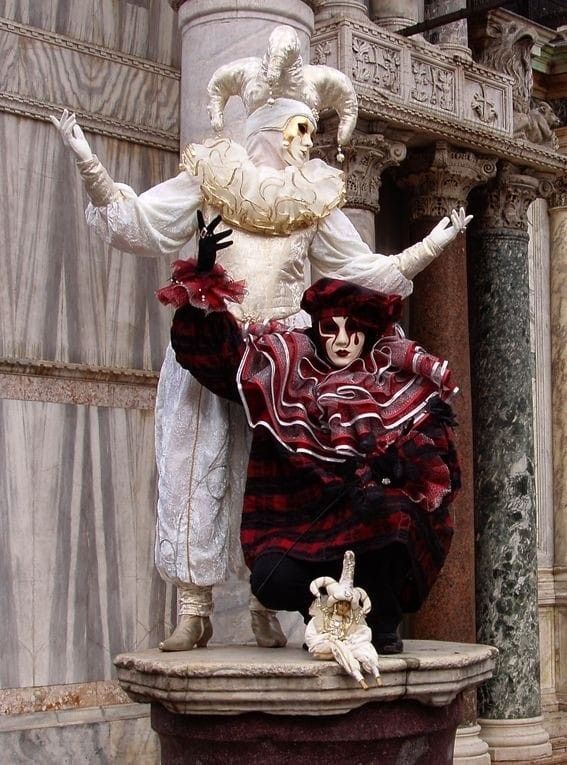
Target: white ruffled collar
260, 198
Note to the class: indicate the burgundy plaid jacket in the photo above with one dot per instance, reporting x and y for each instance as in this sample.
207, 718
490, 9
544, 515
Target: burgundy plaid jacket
316, 510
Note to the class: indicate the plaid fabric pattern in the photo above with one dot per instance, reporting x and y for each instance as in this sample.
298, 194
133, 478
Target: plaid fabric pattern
310, 509
210, 347
315, 510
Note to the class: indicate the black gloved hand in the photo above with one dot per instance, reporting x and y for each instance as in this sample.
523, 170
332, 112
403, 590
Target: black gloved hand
442, 412
210, 243
389, 467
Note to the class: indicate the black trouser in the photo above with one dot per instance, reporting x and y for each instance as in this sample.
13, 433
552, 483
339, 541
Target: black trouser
282, 583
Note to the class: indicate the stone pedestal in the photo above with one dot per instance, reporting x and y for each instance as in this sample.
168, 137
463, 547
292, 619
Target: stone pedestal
247, 704
333, 9
375, 733
470, 749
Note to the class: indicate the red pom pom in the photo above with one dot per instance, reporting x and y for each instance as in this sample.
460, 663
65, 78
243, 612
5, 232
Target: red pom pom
208, 290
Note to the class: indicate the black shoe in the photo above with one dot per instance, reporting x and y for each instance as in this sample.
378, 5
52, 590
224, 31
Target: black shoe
387, 644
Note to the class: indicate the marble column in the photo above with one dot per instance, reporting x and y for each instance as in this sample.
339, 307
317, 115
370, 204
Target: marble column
539, 272
437, 181
506, 547
396, 14
365, 160
351, 9
215, 32
558, 226
452, 37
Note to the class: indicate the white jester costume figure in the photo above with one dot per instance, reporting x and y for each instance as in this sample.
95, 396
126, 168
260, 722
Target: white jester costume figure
338, 628
284, 210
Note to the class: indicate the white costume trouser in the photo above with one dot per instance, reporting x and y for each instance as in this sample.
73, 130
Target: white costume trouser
202, 447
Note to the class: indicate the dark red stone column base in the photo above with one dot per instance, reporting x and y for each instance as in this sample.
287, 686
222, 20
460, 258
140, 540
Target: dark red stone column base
388, 733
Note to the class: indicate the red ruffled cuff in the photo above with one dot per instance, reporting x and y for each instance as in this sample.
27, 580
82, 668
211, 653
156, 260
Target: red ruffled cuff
208, 290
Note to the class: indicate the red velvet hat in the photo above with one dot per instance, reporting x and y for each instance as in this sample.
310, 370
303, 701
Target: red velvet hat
371, 311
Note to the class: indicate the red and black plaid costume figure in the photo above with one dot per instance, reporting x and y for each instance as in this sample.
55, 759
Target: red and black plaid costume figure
358, 458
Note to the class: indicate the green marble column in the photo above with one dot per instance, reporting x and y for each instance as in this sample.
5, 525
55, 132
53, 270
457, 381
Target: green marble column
506, 547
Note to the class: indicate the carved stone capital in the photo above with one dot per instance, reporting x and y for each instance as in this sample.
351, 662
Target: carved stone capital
365, 159
440, 178
558, 195
503, 203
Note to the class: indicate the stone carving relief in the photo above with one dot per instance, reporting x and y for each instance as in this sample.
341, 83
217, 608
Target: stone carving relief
363, 63
483, 107
376, 65
321, 53
403, 82
440, 178
505, 200
433, 85
365, 160
540, 123
507, 48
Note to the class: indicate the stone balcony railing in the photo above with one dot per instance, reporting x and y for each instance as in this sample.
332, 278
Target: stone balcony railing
414, 86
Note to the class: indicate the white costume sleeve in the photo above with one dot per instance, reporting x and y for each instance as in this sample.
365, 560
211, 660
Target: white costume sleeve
337, 251
158, 222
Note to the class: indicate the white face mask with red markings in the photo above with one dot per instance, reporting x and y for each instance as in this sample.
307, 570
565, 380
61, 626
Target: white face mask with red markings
341, 341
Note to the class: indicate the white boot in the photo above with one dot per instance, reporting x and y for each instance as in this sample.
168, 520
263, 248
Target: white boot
194, 629
265, 625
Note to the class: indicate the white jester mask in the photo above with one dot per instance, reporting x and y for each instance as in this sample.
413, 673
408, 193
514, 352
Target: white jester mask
342, 342
297, 140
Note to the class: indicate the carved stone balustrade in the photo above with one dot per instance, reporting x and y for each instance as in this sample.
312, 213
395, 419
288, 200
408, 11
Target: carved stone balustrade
409, 84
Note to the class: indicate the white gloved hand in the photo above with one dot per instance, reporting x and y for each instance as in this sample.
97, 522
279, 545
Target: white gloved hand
448, 228
72, 135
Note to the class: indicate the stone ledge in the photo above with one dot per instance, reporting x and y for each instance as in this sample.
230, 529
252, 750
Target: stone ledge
230, 680
65, 717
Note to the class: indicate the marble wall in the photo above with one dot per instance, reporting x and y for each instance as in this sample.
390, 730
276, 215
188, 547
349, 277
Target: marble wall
66, 295
143, 28
76, 558
81, 341
98, 736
